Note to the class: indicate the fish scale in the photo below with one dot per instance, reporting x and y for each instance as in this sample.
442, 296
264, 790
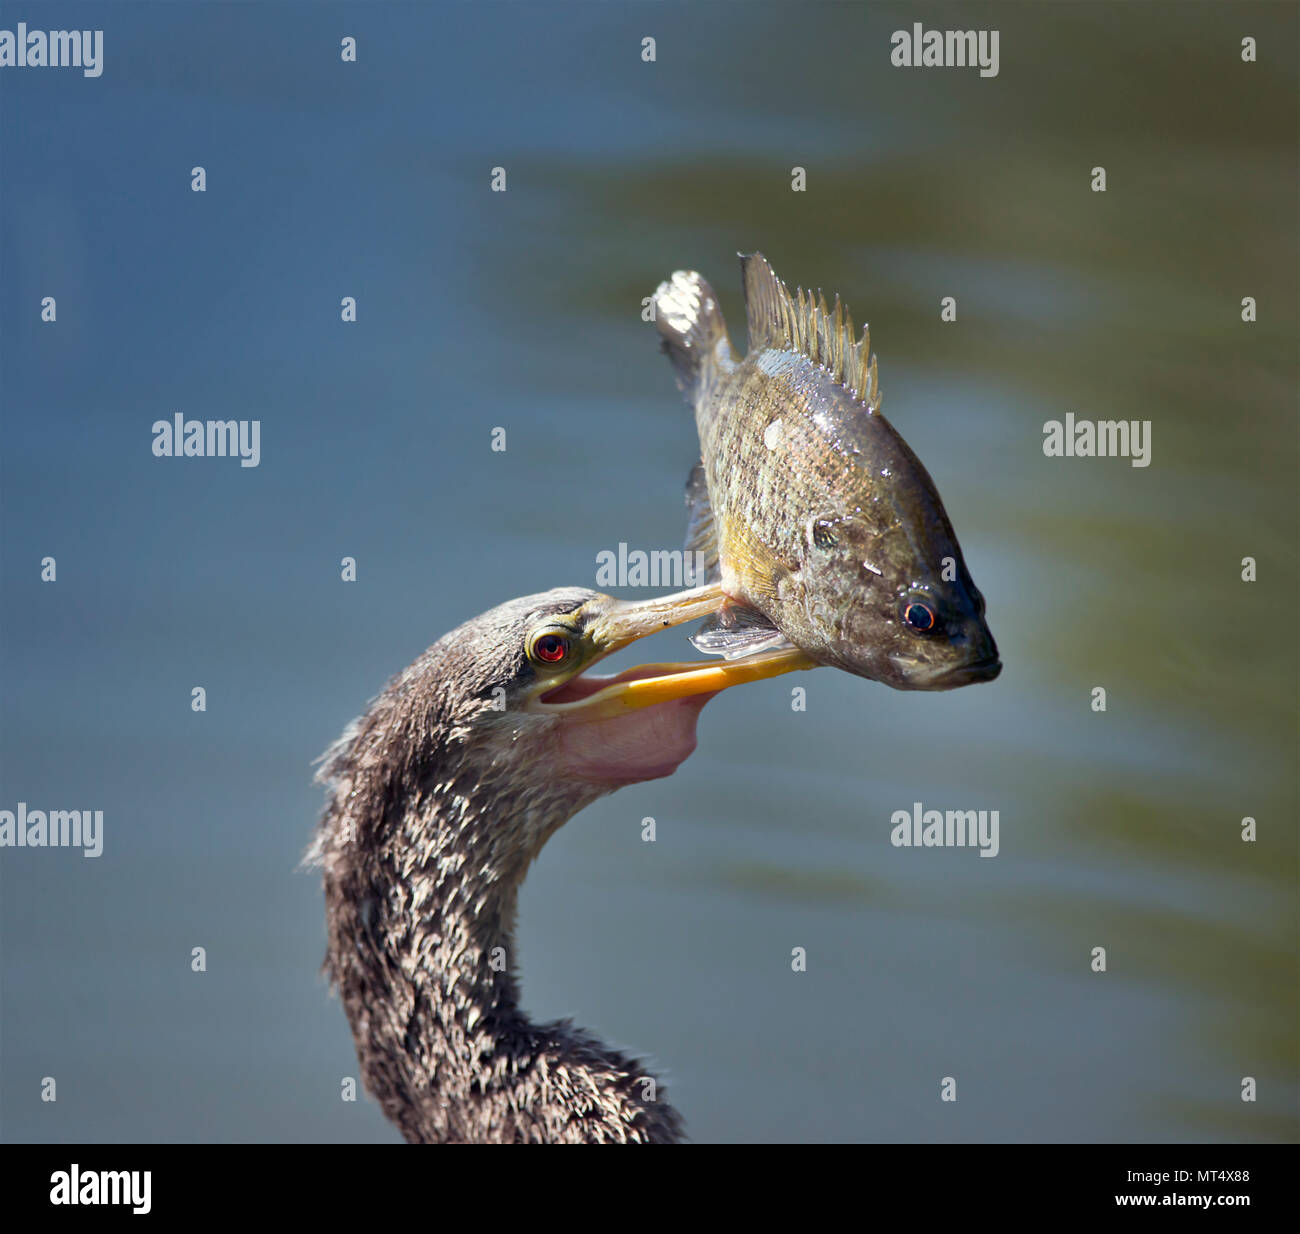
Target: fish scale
820, 525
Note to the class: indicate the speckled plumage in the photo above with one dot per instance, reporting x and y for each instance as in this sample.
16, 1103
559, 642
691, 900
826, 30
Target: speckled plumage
438, 803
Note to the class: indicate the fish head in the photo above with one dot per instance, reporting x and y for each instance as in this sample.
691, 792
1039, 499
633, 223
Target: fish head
888, 596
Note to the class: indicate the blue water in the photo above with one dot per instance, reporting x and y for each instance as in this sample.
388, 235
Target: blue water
522, 310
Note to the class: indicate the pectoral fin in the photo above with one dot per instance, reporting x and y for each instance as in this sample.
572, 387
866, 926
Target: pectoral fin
736, 631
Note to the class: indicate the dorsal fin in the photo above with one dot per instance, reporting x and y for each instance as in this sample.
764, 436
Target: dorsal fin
825, 336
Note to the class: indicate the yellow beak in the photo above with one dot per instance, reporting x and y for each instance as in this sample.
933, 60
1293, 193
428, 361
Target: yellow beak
620, 623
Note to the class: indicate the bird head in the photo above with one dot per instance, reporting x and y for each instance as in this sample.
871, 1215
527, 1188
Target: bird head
503, 725
533, 662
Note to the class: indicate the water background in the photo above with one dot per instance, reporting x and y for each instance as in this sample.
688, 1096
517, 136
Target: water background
522, 310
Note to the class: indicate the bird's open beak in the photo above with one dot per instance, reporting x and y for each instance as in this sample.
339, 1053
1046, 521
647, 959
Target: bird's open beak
620, 623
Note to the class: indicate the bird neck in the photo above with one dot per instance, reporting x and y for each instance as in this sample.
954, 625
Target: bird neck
421, 893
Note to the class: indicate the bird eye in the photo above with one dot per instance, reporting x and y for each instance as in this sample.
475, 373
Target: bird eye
550, 648
920, 617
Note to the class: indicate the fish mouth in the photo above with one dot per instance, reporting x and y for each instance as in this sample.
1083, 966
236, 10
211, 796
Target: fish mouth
618, 624
965, 674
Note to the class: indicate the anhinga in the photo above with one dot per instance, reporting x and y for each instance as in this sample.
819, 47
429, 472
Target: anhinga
440, 797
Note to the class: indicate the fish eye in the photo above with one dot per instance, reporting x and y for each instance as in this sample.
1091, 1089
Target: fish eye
919, 617
549, 649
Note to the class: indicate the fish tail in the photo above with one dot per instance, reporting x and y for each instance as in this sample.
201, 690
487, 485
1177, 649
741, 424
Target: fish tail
692, 327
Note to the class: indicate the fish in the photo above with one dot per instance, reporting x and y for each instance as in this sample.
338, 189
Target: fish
820, 529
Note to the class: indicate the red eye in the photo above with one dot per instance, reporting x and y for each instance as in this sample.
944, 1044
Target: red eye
551, 648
